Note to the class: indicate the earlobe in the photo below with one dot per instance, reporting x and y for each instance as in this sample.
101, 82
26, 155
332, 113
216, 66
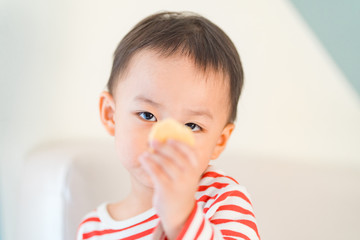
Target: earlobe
222, 141
107, 112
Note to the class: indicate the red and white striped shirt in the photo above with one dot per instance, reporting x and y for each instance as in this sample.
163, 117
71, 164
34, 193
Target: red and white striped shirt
223, 211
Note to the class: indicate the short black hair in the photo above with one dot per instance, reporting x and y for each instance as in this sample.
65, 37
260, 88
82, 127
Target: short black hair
189, 34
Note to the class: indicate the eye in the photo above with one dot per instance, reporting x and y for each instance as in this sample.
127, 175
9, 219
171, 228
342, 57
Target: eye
194, 127
147, 116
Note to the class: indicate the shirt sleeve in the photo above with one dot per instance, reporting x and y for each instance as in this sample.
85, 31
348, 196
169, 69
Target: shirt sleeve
231, 218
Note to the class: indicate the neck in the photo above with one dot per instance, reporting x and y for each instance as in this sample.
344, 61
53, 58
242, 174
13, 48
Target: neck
140, 195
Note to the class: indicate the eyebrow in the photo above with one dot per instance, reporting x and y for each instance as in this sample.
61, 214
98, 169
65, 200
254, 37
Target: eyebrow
205, 113
141, 98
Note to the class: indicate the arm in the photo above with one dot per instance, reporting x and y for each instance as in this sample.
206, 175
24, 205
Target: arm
231, 218
174, 190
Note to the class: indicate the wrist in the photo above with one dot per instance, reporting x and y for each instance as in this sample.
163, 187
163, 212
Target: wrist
176, 227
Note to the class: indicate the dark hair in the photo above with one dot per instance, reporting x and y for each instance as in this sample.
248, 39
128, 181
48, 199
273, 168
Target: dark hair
189, 34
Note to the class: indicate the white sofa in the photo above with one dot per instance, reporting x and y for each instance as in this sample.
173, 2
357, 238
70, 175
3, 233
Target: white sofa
62, 181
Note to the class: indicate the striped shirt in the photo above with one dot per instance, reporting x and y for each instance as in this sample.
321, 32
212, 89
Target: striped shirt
223, 211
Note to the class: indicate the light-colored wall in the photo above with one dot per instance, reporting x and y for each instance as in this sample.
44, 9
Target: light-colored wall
56, 58
336, 24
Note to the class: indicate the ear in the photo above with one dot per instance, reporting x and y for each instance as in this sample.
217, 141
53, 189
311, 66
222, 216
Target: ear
107, 112
222, 141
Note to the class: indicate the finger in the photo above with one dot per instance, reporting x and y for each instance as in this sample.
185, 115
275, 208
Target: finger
187, 151
167, 165
171, 153
153, 169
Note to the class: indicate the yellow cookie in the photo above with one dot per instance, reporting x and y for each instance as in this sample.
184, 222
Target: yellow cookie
171, 129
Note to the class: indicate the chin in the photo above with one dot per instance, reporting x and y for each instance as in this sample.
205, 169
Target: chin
148, 182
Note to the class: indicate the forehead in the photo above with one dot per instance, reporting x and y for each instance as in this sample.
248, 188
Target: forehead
154, 59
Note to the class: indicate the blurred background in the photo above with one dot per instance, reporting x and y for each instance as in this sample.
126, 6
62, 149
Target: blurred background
300, 102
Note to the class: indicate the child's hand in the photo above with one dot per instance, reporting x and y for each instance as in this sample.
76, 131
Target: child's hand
175, 173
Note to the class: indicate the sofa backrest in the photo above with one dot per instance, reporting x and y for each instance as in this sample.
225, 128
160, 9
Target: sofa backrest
62, 181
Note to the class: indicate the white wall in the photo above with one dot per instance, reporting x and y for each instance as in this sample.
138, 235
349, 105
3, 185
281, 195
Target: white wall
56, 58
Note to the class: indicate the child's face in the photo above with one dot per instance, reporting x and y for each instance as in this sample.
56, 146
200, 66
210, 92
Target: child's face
155, 88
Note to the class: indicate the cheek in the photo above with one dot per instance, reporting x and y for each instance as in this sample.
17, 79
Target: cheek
206, 145
129, 143
204, 150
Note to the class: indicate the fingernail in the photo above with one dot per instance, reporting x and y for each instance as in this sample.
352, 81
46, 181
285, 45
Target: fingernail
155, 144
171, 141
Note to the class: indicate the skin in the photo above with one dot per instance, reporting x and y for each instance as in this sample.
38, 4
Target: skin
154, 88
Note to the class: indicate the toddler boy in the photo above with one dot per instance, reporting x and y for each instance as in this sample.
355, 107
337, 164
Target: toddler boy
173, 65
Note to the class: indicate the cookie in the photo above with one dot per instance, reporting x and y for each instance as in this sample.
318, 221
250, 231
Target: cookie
171, 129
